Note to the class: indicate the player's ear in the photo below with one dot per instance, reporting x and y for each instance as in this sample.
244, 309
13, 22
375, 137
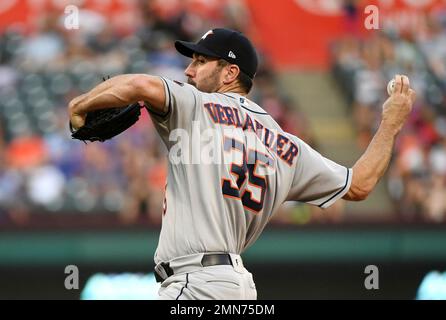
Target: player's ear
232, 73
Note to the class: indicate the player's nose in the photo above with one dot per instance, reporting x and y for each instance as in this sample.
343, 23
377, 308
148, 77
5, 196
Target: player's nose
189, 72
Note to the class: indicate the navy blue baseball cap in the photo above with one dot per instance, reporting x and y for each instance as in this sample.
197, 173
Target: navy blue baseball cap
226, 44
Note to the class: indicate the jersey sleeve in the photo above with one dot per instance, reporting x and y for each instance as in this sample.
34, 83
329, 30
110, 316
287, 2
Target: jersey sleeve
317, 180
182, 101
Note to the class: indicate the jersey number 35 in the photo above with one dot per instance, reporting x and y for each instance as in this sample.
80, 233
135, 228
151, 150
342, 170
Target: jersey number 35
246, 169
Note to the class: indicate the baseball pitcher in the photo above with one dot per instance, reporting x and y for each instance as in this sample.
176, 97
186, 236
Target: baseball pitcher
230, 164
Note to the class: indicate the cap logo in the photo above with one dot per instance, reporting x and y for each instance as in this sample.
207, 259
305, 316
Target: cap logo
231, 55
206, 34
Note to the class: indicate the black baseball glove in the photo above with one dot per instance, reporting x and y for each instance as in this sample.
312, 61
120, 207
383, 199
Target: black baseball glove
104, 124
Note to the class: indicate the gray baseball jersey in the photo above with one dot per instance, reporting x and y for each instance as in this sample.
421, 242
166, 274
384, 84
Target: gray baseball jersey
230, 168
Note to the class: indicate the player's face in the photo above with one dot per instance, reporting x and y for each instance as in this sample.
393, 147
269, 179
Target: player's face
204, 73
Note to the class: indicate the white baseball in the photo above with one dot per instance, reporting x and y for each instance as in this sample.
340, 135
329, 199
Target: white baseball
390, 87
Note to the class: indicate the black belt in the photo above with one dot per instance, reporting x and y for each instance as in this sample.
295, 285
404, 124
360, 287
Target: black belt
207, 261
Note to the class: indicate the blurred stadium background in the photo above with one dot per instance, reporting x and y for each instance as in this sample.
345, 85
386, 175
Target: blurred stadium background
323, 77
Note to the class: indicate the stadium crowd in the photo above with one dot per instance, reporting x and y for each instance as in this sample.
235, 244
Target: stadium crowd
416, 180
41, 169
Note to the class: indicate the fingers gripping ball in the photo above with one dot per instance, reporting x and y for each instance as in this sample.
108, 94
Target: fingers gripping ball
390, 87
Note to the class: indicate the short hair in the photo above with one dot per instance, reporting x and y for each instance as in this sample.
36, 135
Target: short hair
244, 80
